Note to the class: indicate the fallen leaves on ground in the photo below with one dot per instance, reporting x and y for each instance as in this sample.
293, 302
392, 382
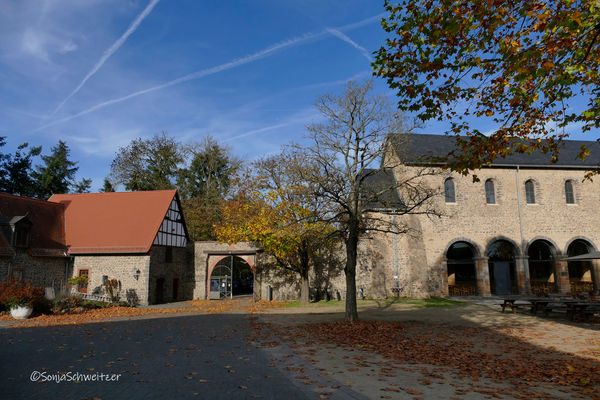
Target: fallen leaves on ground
468, 351
102, 314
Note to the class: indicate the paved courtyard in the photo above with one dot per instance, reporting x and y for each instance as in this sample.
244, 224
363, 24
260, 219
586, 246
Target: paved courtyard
203, 356
470, 351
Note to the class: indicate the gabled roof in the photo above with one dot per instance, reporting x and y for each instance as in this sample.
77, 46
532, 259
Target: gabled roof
380, 190
117, 222
417, 148
47, 234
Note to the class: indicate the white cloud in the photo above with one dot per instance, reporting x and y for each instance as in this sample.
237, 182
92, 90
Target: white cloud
111, 50
266, 52
347, 39
68, 47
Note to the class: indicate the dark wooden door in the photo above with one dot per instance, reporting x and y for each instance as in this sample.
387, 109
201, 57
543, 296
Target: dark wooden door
160, 286
502, 277
175, 289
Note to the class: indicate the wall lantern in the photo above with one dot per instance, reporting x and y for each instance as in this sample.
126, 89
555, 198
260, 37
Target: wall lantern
136, 273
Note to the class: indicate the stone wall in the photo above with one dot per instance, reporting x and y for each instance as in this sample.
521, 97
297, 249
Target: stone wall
205, 262
123, 267
472, 220
177, 276
40, 271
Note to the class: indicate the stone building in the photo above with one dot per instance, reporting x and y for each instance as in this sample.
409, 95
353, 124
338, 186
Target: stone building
32, 245
137, 239
511, 232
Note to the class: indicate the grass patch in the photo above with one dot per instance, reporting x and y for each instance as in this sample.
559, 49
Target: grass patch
322, 303
382, 303
431, 302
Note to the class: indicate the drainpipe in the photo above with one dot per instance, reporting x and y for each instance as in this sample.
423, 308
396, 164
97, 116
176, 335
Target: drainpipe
523, 259
396, 267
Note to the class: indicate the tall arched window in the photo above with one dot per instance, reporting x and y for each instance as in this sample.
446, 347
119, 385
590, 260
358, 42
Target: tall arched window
490, 193
449, 193
569, 194
530, 192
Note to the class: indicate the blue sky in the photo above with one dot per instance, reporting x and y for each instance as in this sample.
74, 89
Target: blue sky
99, 73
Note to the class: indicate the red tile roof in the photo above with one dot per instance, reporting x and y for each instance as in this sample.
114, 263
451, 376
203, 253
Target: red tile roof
47, 235
119, 222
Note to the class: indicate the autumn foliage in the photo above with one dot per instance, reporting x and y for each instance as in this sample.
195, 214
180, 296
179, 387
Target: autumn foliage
528, 67
14, 292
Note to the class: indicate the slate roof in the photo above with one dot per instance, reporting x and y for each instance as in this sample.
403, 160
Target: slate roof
118, 222
417, 148
46, 237
376, 193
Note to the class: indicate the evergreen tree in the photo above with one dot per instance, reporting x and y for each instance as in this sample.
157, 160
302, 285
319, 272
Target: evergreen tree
16, 170
107, 187
56, 174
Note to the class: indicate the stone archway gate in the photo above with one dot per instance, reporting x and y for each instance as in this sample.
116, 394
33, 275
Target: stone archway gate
208, 254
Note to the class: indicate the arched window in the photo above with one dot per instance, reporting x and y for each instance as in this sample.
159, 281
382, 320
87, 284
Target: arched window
490, 193
530, 192
449, 193
569, 194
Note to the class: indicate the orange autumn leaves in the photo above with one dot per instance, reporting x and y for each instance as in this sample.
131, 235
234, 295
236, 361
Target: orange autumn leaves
526, 67
106, 314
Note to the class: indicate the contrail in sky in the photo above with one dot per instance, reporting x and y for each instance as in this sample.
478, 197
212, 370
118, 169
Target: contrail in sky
213, 70
346, 39
110, 51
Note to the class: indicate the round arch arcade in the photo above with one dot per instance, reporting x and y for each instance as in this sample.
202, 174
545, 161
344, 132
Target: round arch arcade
580, 272
230, 274
501, 255
460, 261
542, 266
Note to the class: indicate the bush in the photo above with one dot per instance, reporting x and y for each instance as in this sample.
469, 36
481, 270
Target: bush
92, 305
43, 306
67, 305
14, 292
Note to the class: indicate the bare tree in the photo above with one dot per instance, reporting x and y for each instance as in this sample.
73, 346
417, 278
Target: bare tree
350, 175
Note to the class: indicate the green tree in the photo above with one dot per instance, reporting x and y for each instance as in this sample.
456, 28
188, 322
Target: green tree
278, 212
346, 153
16, 170
83, 186
56, 174
204, 184
209, 172
148, 164
107, 186
520, 64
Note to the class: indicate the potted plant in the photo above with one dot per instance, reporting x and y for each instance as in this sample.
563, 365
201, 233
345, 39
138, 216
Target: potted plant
80, 281
19, 297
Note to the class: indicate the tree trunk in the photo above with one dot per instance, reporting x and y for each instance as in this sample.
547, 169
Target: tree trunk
350, 270
304, 267
304, 289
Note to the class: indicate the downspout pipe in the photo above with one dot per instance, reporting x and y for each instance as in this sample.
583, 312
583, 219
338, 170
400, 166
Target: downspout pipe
524, 260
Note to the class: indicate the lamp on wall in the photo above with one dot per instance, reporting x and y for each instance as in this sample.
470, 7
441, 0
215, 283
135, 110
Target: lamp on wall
136, 273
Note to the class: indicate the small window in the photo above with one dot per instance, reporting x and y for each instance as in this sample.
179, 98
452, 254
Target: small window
530, 192
569, 194
21, 236
490, 194
83, 288
18, 274
168, 254
449, 192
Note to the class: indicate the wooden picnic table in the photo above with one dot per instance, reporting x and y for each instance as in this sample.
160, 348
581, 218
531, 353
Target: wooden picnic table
540, 304
582, 309
509, 301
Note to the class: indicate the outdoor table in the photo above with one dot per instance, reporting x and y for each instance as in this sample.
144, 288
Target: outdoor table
510, 302
576, 308
539, 304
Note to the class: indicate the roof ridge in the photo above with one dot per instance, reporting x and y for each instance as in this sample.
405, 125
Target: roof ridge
33, 199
